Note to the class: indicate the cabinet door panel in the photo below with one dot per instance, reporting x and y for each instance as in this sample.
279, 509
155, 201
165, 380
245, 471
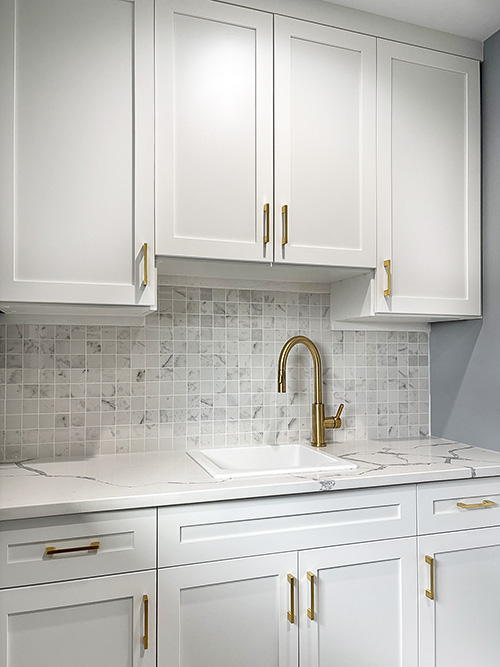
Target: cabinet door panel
97, 622
428, 187
76, 131
228, 613
459, 627
325, 144
214, 130
365, 612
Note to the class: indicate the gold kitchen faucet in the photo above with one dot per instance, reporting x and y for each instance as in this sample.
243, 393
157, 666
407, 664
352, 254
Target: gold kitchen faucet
319, 421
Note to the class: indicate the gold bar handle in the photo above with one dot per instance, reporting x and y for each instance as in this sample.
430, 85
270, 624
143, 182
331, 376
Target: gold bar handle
145, 279
145, 639
429, 592
387, 265
284, 215
291, 614
476, 506
52, 551
310, 611
266, 224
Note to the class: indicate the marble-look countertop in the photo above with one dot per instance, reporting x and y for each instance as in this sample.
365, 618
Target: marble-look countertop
122, 481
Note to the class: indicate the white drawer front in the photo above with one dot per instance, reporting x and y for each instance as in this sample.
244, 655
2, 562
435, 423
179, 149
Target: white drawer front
213, 531
54, 549
444, 506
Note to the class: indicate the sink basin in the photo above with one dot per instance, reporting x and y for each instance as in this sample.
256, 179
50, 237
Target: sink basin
266, 460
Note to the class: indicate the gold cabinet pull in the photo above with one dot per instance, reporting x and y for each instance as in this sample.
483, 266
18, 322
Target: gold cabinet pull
476, 506
310, 611
145, 250
52, 551
266, 224
284, 215
429, 592
387, 265
145, 639
291, 614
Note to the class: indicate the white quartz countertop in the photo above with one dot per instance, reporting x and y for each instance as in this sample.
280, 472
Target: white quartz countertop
122, 481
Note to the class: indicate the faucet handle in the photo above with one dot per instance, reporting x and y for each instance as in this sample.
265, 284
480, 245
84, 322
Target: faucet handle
335, 422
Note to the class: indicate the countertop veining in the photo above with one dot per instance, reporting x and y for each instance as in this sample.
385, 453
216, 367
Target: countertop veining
67, 486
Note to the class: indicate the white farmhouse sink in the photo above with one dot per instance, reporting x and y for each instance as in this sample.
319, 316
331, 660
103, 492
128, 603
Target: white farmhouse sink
266, 460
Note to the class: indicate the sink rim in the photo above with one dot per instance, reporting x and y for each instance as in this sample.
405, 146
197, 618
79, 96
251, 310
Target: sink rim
326, 462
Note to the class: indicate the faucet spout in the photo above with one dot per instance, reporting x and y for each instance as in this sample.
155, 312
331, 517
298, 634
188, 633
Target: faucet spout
319, 422
285, 351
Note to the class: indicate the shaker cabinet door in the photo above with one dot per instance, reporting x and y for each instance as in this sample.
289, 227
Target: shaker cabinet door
358, 605
428, 182
459, 622
77, 152
101, 622
325, 105
214, 131
228, 613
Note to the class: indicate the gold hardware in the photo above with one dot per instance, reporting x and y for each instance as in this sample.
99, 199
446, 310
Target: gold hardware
145, 639
319, 421
387, 265
145, 280
291, 614
266, 217
335, 422
310, 611
284, 214
93, 546
485, 503
430, 592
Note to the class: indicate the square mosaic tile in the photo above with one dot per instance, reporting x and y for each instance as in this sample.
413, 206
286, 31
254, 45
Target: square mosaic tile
202, 372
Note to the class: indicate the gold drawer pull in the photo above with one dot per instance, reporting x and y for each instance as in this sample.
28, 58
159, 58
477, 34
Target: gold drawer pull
310, 611
52, 551
266, 224
476, 506
145, 279
145, 639
284, 215
291, 614
387, 265
429, 592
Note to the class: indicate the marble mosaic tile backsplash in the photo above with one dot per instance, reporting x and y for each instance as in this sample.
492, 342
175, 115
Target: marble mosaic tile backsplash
202, 373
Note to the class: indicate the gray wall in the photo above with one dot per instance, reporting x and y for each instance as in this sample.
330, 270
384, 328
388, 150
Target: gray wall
465, 356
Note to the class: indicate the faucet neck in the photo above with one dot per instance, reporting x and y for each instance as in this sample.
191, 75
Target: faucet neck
285, 351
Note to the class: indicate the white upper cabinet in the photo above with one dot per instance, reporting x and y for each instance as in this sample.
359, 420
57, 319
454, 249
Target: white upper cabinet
325, 87
214, 77
76, 151
428, 192
428, 181
214, 124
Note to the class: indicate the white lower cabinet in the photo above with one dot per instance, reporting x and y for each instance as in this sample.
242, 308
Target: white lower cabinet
103, 622
228, 613
352, 605
357, 605
459, 626
377, 577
